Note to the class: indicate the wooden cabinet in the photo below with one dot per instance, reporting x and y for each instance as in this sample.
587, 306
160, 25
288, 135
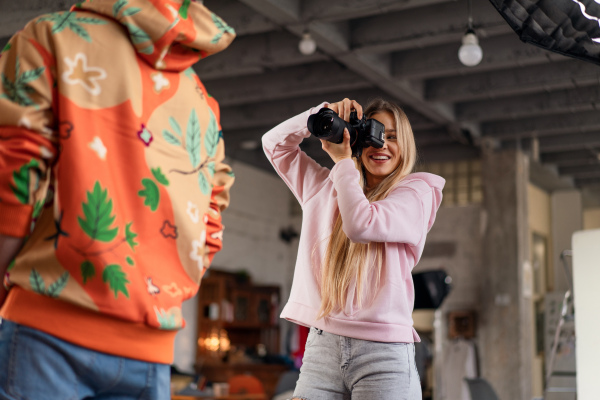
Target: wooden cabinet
236, 317
230, 305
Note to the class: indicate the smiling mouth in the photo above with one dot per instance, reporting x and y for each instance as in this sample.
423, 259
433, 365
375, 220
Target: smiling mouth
379, 157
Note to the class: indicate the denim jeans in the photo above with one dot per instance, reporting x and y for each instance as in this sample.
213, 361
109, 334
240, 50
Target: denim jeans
38, 366
339, 368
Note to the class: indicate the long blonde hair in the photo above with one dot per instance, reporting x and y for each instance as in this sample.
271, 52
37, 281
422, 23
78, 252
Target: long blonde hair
346, 261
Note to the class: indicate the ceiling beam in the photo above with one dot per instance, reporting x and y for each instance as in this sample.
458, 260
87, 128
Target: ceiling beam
569, 142
335, 10
581, 172
559, 101
499, 52
571, 157
556, 124
254, 54
567, 74
309, 79
272, 113
242, 18
333, 39
423, 27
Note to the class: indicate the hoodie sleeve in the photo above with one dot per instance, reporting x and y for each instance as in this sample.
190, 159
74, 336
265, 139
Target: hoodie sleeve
303, 175
404, 216
28, 144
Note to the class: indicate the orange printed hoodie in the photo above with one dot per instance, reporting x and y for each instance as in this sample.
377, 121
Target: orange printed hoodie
111, 164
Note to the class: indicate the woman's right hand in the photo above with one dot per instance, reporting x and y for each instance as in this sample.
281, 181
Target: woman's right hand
345, 107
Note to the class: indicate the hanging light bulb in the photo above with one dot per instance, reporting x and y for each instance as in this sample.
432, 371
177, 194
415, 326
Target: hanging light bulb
307, 45
470, 53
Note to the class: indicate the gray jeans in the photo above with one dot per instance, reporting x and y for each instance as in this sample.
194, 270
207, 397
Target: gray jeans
338, 367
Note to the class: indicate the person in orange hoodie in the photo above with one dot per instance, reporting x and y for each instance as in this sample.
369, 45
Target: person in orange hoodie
112, 184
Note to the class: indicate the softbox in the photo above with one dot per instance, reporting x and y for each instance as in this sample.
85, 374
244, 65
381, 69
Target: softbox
431, 288
568, 27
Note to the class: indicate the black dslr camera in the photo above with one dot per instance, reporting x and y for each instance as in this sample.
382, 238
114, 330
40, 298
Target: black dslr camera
326, 124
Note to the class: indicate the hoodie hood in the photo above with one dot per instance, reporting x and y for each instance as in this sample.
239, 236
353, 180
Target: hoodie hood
436, 183
168, 34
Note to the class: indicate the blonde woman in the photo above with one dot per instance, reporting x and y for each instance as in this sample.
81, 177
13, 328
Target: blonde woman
363, 230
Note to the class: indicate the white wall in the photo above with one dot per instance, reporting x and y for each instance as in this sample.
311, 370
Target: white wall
259, 208
586, 274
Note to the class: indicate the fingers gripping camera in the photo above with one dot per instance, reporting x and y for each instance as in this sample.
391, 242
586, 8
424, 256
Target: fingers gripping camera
327, 125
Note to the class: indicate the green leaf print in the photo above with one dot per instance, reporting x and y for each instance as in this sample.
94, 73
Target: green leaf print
37, 209
11, 265
159, 176
147, 50
170, 138
130, 236
36, 282
88, 271
131, 11
211, 139
63, 20
18, 91
7, 47
129, 260
204, 185
183, 10
117, 279
118, 6
175, 125
210, 167
137, 34
166, 319
97, 212
57, 287
22, 181
222, 27
192, 139
151, 193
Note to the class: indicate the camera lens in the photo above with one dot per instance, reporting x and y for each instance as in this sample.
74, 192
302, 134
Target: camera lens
326, 124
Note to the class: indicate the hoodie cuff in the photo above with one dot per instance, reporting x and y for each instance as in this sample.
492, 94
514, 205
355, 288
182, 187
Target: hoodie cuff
344, 168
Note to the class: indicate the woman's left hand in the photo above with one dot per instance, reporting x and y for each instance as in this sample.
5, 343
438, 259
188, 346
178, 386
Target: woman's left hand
338, 152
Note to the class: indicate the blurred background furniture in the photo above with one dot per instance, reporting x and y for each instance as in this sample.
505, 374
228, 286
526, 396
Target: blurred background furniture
245, 384
481, 389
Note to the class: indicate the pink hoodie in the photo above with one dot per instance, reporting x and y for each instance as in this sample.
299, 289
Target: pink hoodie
401, 220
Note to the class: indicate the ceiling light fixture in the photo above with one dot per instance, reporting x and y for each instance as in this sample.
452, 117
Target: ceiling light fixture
470, 53
307, 45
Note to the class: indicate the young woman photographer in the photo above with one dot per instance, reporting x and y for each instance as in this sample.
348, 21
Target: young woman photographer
363, 230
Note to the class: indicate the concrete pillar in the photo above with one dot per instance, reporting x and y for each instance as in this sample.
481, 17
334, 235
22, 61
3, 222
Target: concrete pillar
567, 218
506, 325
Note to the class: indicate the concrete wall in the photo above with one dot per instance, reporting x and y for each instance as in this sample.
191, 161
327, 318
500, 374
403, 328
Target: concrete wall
567, 218
591, 218
259, 209
455, 245
506, 325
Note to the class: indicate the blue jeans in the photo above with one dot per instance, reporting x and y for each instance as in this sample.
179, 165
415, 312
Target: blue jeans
38, 366
341, 368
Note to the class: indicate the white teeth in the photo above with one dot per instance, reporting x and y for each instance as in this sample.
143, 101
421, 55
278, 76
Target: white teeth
380, 157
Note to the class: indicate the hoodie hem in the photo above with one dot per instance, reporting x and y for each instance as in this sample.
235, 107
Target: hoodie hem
365, 330
87, 328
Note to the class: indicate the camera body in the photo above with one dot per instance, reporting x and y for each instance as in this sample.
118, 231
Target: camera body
326, 124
